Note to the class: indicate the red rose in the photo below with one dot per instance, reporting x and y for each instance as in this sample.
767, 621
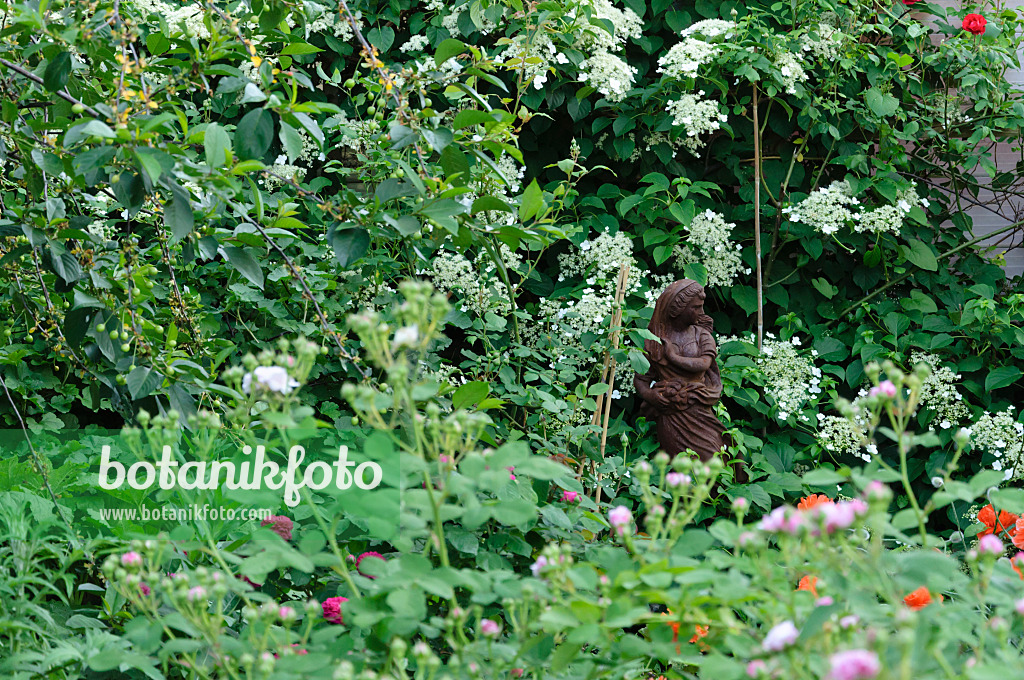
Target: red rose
909, 2
974, 23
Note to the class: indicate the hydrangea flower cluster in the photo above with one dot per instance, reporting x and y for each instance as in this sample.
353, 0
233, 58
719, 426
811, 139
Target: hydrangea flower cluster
830, 208
600, 260
710, 28
827, 46
790, 377
327, 19
838, 435
826, 209
698, 116
709, 245
626, 22
939, 393
535, 55
479, 287
416, 43
792, 69
608, 74
685, 58
1002, 436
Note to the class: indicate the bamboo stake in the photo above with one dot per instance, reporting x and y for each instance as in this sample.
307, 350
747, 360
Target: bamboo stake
608, 374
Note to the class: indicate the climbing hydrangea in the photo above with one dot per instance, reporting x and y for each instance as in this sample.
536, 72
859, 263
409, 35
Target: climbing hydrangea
609, 74
698, 116
1003, 437
686, 57
835, 206
825, 42
826, 209
709, 244
792, 70
938, 392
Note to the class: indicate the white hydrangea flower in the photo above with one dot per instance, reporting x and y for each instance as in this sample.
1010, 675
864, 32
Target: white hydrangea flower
608, 74
792, 69
827, 46
938, 392
1002, 436
416, 43
685, 58
709, 244
710, 28
698, 116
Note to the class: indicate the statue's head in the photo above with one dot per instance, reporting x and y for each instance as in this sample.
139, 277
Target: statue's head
682, 304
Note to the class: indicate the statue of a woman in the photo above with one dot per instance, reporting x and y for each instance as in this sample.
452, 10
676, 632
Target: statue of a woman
683, 384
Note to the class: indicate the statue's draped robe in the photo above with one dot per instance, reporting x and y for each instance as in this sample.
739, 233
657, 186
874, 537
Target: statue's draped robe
683, 425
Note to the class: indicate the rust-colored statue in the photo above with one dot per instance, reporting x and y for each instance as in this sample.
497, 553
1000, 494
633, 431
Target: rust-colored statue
683, 384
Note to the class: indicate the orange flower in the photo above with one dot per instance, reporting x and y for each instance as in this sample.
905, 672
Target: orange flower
674, 625
1018, 533
1017, 561
809, 584
1006, 522
808, 502
919, 599
702, 631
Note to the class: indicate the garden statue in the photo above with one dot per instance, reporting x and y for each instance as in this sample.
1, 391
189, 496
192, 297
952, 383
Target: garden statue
683, 384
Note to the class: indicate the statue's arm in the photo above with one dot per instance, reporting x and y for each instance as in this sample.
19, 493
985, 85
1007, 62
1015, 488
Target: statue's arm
690, 364
642, 383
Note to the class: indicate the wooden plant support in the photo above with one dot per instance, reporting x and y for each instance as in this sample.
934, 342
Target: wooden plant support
602, 413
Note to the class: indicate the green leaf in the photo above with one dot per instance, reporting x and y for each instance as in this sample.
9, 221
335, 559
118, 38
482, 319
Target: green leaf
823, 477
469, 394
291, 141
882, 105
246, 264
382, 38
532, 201
448, 49
92, 128
178, 217
254, 133
142, 381
57, 72
300, 48
745, 297
490, 203
349, 245
454, 162
157, 43
469, 117
1001, 376
218, 146
1011, 500
920, 254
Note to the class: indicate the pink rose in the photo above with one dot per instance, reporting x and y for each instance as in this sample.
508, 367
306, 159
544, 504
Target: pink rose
332, 609
280, 525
